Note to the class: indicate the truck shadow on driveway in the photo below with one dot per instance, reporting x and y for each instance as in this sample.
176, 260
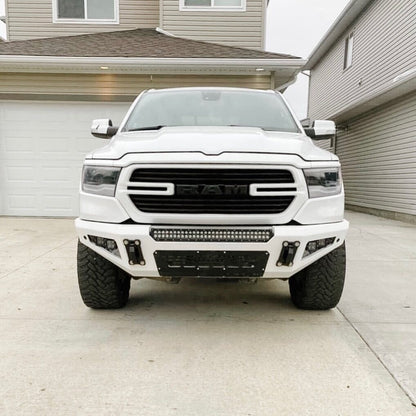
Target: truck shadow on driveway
193, 299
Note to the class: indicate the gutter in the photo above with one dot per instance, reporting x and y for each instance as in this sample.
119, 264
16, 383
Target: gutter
19, 63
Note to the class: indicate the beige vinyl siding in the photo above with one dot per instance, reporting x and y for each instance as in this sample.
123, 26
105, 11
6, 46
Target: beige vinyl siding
242, 29
378, 156
109, 86
384, 47
32, 19
325, 144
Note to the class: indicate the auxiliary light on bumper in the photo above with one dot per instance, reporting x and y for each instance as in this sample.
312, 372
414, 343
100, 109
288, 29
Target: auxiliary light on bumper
240, 235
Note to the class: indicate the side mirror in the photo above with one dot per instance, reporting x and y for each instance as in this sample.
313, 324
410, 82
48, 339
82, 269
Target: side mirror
321, 130
103, 128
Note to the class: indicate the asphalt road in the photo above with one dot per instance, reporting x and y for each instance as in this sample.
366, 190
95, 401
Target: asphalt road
206, 347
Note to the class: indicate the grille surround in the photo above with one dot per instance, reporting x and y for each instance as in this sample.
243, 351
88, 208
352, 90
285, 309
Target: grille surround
214, 190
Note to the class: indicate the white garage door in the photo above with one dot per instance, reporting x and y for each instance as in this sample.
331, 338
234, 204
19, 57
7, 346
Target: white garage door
42, 146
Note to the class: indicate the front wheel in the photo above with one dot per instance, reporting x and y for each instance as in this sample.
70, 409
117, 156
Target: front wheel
102, 284
320, 285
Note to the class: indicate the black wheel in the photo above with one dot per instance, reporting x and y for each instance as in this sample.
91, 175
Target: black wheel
102, 284
320, 285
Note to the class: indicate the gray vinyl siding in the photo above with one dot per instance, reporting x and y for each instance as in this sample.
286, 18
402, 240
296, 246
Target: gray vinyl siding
378, 156
241, 29
32, 19
109, 86
384, 47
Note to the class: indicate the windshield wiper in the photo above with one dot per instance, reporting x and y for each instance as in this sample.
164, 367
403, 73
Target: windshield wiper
148, 128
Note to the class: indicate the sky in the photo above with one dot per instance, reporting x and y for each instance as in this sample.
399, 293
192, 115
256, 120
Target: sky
294, 27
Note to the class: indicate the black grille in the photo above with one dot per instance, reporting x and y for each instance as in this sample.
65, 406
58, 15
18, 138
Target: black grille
232, 196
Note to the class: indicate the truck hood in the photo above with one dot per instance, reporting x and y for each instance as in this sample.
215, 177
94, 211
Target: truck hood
212, 141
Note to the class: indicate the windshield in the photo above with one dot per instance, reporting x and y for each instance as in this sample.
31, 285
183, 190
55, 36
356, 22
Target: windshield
211, 107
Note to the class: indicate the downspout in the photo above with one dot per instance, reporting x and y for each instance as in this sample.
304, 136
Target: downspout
272, 80
6, 10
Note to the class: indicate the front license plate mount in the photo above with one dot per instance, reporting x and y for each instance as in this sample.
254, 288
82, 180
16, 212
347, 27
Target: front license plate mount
211, 263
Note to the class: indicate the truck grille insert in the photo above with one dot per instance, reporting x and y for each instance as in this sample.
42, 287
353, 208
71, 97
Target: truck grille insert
213, 191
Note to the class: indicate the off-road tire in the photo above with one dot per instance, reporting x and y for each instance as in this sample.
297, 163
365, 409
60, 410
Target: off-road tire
320, 285
102, 284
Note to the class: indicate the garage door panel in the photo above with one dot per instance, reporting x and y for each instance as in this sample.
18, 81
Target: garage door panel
54, 204
21, 204
58, 175
25, 175
18, 145
42, 147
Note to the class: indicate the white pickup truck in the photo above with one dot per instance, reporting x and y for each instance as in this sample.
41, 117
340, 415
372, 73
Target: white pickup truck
211, 183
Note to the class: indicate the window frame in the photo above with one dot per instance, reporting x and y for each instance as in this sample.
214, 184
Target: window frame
85, 20
241, 8
348, 51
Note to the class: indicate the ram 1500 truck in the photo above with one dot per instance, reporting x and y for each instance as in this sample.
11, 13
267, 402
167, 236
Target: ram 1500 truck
211, 183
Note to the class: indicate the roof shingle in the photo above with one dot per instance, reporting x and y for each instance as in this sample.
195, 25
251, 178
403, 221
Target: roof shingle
137, 43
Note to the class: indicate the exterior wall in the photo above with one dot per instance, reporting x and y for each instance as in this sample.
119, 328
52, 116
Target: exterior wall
110, 86
241, 29
384, 47
378, 156
325, 144
32, 19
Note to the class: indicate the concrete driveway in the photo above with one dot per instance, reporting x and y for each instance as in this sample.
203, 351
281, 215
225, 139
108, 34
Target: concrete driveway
206, 347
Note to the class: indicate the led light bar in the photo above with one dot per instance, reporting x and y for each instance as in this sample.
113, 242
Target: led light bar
230, 235
105, 243
316, 245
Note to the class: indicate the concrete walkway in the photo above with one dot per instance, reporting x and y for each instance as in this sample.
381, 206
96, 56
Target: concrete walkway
206, 348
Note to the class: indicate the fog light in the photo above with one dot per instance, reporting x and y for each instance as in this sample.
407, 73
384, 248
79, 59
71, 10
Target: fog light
316, 245
105, 243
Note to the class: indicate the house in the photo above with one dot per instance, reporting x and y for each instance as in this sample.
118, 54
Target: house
67, 62
363, 76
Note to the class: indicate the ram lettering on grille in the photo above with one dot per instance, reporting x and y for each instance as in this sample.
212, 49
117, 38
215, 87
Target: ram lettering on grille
212, 191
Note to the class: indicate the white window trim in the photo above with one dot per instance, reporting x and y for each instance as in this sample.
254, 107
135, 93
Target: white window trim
348, 50
241, 8
85, 21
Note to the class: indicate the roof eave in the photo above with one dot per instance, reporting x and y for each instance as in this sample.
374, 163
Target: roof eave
344, 20
19, 63
401, 85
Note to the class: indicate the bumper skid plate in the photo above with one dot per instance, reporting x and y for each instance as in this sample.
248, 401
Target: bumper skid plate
211, 263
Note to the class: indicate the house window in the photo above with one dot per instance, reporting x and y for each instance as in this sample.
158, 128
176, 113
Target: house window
86, 11
232, 5
349, 45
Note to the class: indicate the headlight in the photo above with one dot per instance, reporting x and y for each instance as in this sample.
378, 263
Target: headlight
323, 182
100, 180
